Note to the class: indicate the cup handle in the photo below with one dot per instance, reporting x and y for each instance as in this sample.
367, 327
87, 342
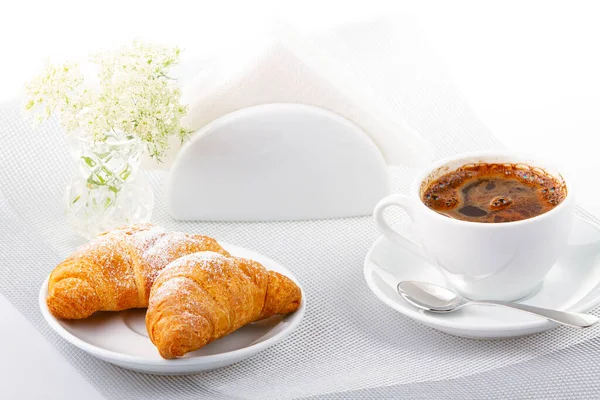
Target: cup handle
407, 204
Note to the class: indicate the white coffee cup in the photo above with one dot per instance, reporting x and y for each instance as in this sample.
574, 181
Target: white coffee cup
495, 261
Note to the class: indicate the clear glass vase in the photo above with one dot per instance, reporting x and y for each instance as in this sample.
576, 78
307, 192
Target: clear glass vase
108, 191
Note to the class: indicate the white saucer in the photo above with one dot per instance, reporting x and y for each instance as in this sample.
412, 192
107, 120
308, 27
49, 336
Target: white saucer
573, 284
120, 337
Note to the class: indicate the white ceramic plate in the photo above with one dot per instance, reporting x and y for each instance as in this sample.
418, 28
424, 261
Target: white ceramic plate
120, 337
573, 284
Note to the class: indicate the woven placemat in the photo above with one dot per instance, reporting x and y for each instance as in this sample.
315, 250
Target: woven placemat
349, 345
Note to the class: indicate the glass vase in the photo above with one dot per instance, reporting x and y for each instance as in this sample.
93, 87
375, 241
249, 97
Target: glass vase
108, 190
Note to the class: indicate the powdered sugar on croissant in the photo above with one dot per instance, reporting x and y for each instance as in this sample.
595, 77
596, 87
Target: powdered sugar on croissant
204, 296
116, 270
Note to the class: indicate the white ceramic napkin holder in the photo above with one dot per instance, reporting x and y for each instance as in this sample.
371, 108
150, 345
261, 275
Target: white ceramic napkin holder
276, 162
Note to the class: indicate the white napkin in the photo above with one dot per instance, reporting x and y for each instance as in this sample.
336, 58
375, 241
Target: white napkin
288, 67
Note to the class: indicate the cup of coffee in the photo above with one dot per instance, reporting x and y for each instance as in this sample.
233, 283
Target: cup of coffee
493, 223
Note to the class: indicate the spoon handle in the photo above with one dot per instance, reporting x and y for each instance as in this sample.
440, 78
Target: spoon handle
562, 317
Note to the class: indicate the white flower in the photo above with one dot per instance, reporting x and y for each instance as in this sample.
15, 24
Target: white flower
133, 93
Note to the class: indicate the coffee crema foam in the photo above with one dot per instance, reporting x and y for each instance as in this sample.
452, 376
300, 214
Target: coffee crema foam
494, 193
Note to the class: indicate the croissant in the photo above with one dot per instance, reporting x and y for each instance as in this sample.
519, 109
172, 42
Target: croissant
204, 296
116, 270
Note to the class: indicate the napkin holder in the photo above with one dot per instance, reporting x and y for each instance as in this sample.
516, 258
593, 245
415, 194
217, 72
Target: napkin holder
276, 162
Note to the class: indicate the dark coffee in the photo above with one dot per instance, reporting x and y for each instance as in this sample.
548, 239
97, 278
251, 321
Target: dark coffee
494, 193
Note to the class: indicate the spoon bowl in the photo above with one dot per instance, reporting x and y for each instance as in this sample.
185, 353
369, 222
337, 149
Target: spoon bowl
429, 296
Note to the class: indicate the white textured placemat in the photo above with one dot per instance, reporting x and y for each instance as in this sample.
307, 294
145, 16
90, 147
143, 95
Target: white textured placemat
349, 344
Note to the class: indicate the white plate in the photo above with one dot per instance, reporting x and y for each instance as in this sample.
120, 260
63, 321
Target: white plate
120, 337
573, 284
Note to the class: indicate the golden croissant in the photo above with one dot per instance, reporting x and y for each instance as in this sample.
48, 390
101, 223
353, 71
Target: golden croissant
116, 270
204, 296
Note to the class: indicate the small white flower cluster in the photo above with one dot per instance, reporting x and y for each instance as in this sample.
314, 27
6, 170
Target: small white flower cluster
135, 95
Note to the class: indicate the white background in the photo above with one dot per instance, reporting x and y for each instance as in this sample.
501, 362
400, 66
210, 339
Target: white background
530, 70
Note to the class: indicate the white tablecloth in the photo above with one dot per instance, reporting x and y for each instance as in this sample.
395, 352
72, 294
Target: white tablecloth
417, 362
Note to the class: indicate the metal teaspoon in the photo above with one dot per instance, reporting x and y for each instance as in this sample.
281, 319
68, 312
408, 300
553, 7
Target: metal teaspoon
438, 299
